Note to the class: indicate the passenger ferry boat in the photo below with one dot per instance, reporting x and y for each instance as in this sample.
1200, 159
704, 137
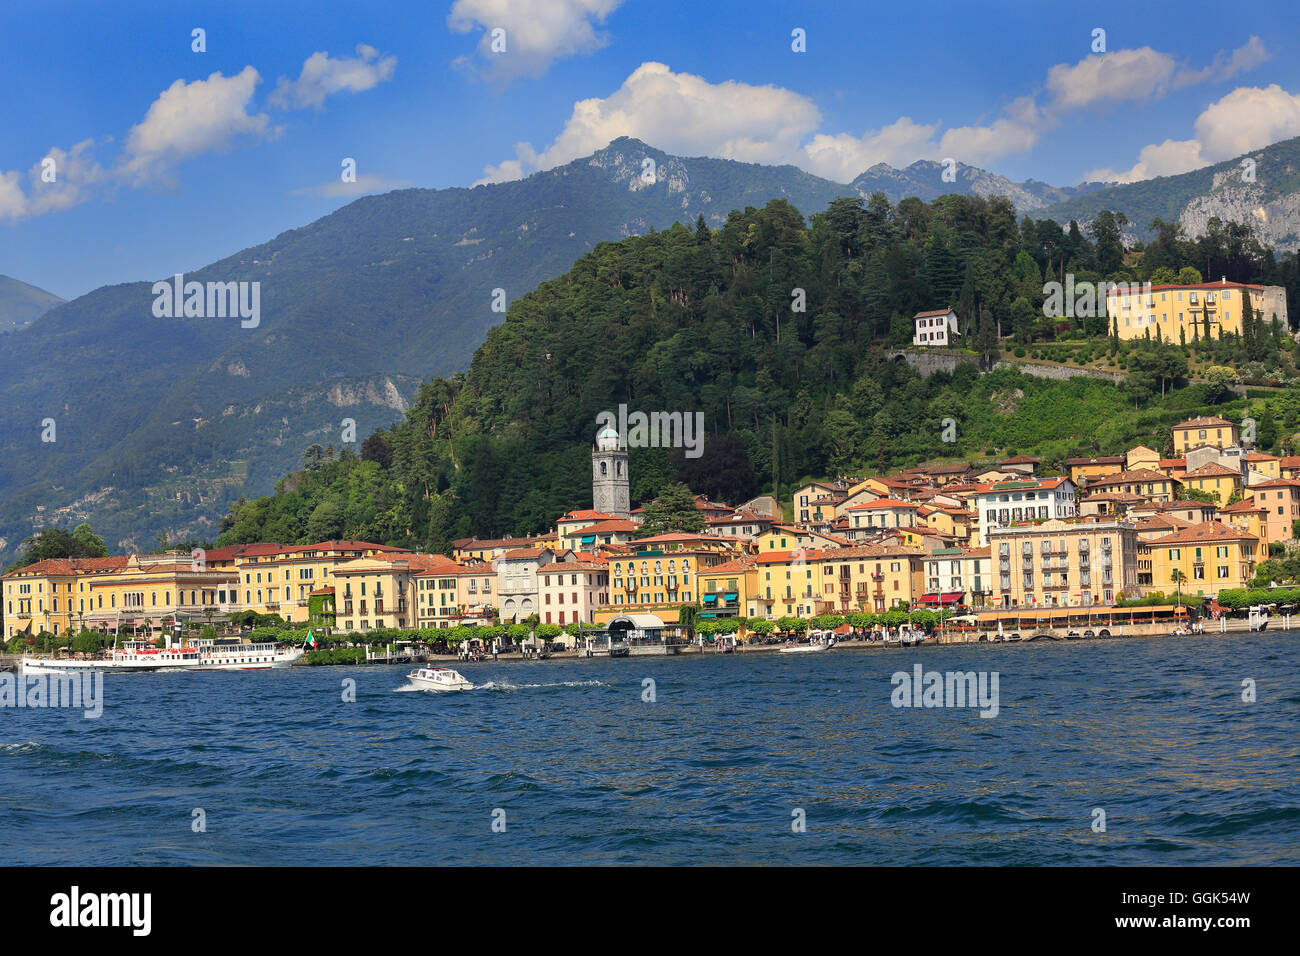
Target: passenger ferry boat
438, 678
133, 656
247, 657
137, 656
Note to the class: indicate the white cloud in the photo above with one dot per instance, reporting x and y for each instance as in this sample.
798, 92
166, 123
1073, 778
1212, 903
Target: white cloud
1248, 118
1227, 65
680, 113
188, 119
537, 32
13, 201
842, 157
1140, 74
1117, 76
365, 183
323, 76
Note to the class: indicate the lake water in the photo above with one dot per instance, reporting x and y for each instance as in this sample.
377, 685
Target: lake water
732, 757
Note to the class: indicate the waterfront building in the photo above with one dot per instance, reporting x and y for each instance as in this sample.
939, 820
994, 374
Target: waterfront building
1064, 563
42, 597
569, 592
150, 590
656, 575
860, 578
517, 581
381, 590
280, 579
958, 576
1209, 557
730, 589
436, 592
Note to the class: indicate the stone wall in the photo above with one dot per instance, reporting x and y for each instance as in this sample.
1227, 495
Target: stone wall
927, 362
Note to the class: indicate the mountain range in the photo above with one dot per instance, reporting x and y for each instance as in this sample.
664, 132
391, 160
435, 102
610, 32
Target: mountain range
159, 424
21, 304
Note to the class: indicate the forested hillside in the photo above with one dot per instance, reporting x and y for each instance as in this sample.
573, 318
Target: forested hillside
707, 319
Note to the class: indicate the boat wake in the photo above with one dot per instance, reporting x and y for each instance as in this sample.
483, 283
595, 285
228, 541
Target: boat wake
506, 685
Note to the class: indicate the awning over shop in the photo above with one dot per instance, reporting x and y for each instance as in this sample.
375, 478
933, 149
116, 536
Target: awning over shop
947, 597
731, 595
710, 597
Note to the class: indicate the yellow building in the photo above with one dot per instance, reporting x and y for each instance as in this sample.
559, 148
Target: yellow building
1209, 558
1207, 430
381, 590
1150, 484
1186, 312
1268, 465
150, 590
438, 591
1064, 563
865, 578
41, 597
277, 579
1215, 479
1140, 456
1083, 470
656, 575
730, 589
1250, 517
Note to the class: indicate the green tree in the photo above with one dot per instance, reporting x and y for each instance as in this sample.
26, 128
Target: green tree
673, 510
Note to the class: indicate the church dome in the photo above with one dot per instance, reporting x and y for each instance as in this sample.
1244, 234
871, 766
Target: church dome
607, 440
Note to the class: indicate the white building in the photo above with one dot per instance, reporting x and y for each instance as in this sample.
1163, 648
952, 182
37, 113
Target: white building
1004, 503
938, 327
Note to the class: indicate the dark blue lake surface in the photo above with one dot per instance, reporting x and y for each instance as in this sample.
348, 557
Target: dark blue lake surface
1152, 731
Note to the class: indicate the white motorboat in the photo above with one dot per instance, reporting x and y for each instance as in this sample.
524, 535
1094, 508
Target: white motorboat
438, 678
817, 643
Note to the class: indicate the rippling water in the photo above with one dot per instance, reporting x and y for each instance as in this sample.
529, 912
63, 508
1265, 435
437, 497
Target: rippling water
1152, 731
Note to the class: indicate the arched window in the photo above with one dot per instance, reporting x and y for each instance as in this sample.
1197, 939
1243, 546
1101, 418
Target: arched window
603, 468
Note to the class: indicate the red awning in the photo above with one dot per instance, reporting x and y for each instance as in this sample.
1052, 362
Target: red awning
952, 597
929, 598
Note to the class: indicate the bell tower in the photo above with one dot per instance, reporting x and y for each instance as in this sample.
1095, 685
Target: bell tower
609, 478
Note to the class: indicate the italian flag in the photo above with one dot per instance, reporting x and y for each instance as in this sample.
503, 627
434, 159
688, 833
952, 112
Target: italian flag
311, 640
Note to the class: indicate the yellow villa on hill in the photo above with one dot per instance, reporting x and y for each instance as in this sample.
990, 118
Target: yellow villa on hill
1215, 479
1207, 430
1210, 557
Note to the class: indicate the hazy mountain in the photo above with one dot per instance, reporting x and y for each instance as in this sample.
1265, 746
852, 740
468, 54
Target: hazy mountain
21, 303
924, 179
1267, 196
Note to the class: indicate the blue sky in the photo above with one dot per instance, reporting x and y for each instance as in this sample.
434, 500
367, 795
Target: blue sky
167, 159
